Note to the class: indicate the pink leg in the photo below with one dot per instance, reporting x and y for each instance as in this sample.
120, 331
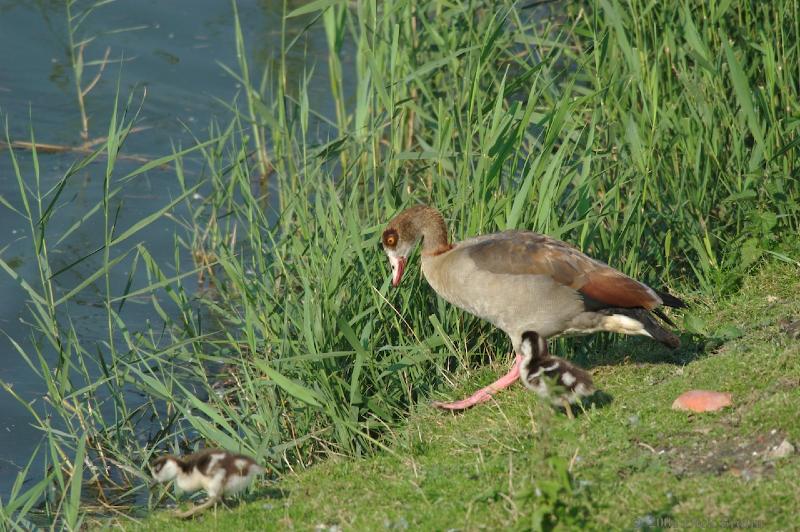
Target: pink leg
484, 394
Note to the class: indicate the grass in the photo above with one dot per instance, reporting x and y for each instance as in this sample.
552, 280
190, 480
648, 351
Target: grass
631, 464
661, 138
76, 12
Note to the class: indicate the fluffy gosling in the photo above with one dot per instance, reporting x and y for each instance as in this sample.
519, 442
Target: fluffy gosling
552, 378
216, 471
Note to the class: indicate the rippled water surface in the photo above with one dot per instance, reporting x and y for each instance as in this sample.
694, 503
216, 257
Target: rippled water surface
173, 50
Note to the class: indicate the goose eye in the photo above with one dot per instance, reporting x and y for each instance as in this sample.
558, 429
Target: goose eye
390, 238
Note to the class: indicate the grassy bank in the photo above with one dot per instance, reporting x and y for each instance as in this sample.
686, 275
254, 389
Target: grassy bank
660, 138
633, 463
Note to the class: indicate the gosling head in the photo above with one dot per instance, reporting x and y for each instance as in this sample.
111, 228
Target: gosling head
533, 347
165, 468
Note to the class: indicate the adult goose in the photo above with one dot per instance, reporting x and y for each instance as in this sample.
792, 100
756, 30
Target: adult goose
524, 281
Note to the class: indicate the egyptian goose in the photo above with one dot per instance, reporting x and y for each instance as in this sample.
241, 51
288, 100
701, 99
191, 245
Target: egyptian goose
523, 281
552, 378
216, 471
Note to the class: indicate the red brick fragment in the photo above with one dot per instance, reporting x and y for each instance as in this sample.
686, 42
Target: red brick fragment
702, 401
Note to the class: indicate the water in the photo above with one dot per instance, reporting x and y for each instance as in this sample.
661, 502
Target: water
174, 53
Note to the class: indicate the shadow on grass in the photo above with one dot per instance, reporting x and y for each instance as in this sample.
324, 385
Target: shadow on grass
602, 349
635, 350
598, 400
265, 492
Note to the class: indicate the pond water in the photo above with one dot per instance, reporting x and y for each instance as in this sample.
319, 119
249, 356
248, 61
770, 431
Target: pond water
174, 50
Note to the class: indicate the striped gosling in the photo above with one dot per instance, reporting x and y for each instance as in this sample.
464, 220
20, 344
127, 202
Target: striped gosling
553, 378
216, 471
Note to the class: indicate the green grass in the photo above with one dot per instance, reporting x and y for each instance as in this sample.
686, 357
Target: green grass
480, 469
659, 137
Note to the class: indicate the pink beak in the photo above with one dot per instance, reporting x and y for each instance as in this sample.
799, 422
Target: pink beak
398, 268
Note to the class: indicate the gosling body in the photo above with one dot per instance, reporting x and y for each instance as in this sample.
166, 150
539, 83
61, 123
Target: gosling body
552, 378
215, 471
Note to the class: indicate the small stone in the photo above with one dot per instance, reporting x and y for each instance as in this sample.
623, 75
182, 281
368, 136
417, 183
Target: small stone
747, 475
702, 401
780, 451
645, 521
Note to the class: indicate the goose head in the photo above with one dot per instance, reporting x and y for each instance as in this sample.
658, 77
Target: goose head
406, 229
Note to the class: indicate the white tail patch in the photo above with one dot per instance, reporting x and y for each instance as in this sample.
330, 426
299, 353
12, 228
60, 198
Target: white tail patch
619, 323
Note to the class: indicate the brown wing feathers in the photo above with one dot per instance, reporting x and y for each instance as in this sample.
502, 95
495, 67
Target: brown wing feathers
522, 252
618, 290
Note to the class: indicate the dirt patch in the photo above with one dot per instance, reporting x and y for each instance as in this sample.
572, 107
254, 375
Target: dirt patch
749, 458
787, 383
791, 327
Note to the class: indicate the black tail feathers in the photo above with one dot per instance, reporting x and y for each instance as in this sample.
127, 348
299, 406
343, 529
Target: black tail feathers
670, 300
657, 332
